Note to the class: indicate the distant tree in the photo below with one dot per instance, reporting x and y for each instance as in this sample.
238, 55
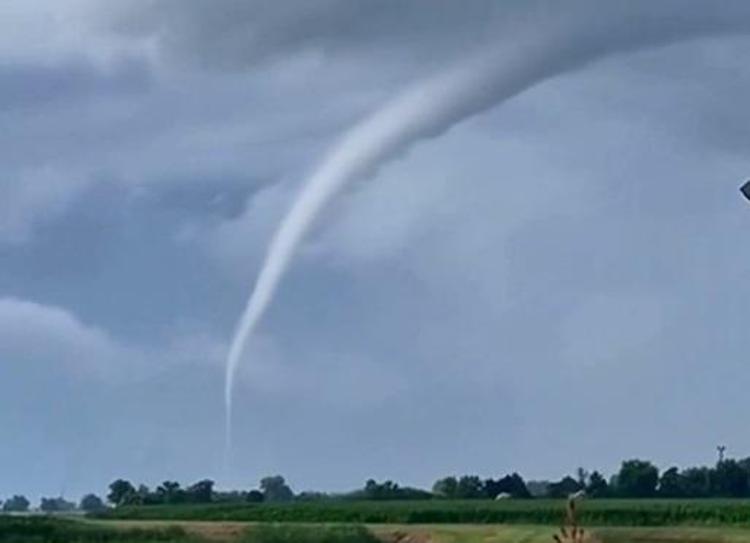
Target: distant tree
200, 492
380, 491
254, 496
729, 480
56, 505
470, 487
229, 496
671, 484
696, 482
637, 479
143, 496
513, 485
309, 496
563, 488
389, 490
275, 489
447, 487
491, 488
744, 463
597, 486
411, 493
16, 504
375, 491
91, 503
170, 492
120, 492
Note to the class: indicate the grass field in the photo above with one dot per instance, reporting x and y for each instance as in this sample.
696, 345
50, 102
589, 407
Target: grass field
47, 530
388, 533
39, 529
533, 521
643, 513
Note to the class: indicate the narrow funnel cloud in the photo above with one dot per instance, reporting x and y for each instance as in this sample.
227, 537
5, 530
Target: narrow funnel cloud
433, 106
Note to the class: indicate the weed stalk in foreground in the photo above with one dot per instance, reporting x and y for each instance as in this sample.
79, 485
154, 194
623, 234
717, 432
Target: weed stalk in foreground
570, 532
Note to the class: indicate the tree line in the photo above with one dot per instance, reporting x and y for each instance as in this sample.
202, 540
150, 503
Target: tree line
20, 504
729, 478
635, 479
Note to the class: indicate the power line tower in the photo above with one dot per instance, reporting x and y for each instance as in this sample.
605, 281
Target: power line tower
721, 449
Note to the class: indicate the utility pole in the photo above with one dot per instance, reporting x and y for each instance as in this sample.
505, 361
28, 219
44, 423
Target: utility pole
721, 449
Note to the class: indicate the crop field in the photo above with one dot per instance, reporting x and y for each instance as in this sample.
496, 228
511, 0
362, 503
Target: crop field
643, 513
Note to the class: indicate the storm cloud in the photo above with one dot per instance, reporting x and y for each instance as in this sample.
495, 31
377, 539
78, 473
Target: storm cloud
585, 236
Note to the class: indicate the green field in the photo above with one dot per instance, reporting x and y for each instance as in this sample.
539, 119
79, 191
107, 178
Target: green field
40, 529
644, 513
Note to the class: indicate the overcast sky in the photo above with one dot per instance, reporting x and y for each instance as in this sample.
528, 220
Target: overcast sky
559, 281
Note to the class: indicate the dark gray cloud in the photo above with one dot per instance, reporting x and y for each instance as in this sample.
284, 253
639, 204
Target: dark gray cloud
30, 85
235, 34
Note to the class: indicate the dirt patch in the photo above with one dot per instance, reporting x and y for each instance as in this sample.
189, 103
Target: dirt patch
406, 537
215, 531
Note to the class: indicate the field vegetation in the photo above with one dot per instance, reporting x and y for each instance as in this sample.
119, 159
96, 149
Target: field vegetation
604, 512
41, 529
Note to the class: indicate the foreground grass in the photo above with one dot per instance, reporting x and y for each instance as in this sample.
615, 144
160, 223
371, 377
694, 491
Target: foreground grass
230, 532
672, 535
56, 530
536, 512
484, 534
543, 534
295, 533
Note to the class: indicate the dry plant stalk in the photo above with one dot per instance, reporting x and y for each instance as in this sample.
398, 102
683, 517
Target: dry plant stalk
570, 532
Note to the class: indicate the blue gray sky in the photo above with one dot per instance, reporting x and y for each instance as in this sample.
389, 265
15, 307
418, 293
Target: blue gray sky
560, 281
